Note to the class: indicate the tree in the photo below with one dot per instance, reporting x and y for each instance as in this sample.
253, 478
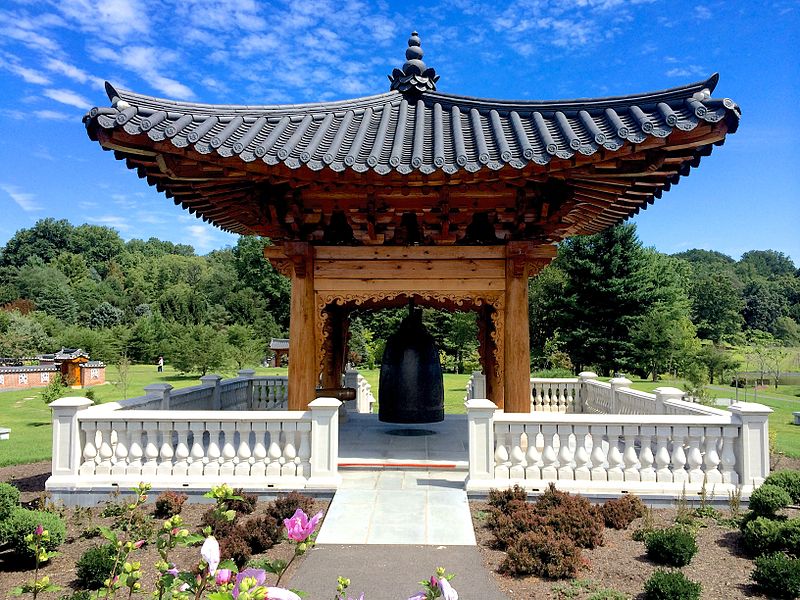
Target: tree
198, 348
763, 305
461, 336
716, 304
21, 335
717, 360
245, 348
105, 315
765, 264
45, 240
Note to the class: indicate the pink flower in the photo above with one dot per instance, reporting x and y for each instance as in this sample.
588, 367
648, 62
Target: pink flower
183, 587
223, 576
39, 529
448, 593
419, 596
274, 593
139, 544
258, 577
210, 553
299, 526
173, 570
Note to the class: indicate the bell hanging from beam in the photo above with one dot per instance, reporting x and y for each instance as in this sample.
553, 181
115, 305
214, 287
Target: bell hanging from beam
411, 386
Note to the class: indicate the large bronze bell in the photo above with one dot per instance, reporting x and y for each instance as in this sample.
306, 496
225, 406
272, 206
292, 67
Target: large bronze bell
411, 388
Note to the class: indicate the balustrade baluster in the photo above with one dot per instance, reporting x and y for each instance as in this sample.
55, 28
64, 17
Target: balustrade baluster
582, 465
517, 456
304, 451
629, 457
228, 464
538, 400
243, 452
695, 457
532, 456
712, 459
598, 455
135, 452
274, 453
549, 458
150, 450
104, 452
561, 399
679, 474
615, 460
166, 452
565, 453
289, 468
213, 453
646, 457
663, 459
89, 463
728, 457
259, 468
181, 466
120, 465
502, 459
198, 453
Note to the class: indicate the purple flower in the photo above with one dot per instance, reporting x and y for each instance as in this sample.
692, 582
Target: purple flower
223, 576
210, 553
299, 526
254, 576
139, 544
448, 593
39, 529
419, 596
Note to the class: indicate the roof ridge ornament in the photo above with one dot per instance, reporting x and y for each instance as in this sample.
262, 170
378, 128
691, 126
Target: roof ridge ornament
415, 76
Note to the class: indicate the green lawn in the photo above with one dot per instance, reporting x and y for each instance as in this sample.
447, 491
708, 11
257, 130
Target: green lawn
29, 417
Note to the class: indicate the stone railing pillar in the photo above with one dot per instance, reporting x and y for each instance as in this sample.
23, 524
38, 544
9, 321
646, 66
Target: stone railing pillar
478, 385
480, 428
67, 446
159, 390
752, 447
324, 444
216, 397
248, 374
666, 393
617, 383
584, 377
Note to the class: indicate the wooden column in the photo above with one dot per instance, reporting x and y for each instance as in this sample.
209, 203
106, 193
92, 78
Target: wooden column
303, 365
491, 370
517, 338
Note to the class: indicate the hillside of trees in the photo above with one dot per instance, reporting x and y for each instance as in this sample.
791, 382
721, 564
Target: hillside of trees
606, 302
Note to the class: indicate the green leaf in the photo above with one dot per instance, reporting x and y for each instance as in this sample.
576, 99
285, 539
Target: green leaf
219, 596
228, 564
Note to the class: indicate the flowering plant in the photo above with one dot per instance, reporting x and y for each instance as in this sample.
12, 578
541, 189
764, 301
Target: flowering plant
36, 542
437, 586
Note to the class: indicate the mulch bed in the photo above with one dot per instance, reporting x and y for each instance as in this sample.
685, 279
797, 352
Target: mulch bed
61, 569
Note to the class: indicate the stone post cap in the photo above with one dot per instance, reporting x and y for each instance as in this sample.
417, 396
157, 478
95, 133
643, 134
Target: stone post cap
587, 375
620, 382
246, 373
325, 403
750, 408
157, 388
71, 402
668, 391
212, 379
474, 373
480, 404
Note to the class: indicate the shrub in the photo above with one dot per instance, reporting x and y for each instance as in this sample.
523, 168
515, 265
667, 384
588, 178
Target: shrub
169, 504
21, 522
777, 575
9, 499
671, 585
544, 554
789, 481
762, 535
262, 533
769, 499
78, 595
573, 516
507, 527
621, 512
790, 534
499, 499
220, 527
246, 505
95, 566
235, 547
283, 507
674, 546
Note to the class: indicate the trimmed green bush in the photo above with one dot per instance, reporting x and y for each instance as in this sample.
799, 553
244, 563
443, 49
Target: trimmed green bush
21, 522
544, 554
790, 534
674, 546
671, 585
9, 499
768, 500
762, 535
95, 566
788, 481
777, 576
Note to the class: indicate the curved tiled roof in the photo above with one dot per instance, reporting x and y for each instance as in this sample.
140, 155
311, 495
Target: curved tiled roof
424, 132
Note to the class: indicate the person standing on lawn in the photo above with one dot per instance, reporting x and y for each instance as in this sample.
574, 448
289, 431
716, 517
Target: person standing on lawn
160, 364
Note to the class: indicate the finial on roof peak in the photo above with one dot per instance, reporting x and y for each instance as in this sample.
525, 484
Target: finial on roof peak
415, 76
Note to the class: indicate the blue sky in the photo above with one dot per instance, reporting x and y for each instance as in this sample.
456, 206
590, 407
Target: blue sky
54, 57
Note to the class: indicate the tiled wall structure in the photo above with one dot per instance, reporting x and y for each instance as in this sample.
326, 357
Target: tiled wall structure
22, 378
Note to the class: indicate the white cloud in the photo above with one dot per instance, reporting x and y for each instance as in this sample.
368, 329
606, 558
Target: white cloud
114, 20
28, 37
143, 60
72, 72
28, 75
687, 71
110, 221
202, 237
52, 115
702, 12
68, 97
25, 200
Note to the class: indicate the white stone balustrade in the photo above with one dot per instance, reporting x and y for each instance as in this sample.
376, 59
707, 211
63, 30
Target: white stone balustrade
616, 453
98, 447
555, 395
365, 400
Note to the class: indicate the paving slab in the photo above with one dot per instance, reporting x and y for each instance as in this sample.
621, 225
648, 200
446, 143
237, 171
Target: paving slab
392, 572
